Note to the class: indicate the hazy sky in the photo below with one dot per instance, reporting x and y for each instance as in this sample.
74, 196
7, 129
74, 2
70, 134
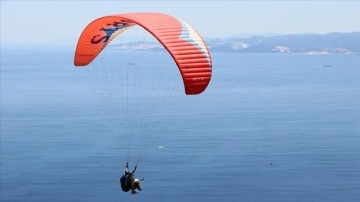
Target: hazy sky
61, 22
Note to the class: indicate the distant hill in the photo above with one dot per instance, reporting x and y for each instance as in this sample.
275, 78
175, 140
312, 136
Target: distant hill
331, 43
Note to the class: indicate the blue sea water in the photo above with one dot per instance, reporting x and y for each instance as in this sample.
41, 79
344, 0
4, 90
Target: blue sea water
270, 127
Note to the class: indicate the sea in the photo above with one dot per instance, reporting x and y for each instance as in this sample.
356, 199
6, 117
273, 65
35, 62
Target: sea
268, 128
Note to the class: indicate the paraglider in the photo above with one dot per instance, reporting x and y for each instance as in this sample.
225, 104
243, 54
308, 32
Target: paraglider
129, 182
181, 41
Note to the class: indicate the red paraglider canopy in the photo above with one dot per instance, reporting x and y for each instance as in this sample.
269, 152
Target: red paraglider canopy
185, 45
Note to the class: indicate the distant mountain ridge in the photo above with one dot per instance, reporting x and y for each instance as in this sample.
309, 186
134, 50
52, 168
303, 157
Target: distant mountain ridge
331, 43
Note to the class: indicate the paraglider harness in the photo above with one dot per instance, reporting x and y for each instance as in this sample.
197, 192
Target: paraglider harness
127, 179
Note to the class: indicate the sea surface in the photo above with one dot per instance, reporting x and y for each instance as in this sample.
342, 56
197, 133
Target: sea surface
269, 128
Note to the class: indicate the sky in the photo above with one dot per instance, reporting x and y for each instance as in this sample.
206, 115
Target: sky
61, 22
